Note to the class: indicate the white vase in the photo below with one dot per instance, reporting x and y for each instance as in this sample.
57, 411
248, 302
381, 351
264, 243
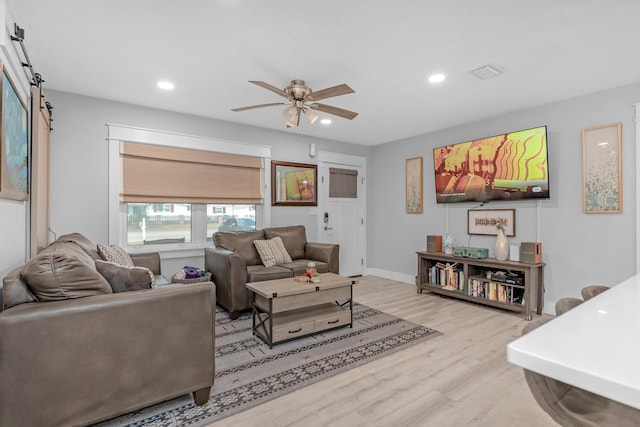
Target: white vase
449, 243
501, 248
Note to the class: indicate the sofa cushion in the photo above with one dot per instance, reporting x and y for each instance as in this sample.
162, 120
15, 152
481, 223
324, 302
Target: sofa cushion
123, 279
272, 251
115, 254
294, 238
63, 271
240, 242
260, 273
81, 241
299, 266
15, 290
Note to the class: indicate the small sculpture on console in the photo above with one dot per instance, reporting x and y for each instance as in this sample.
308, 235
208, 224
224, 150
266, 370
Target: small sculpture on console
449, 243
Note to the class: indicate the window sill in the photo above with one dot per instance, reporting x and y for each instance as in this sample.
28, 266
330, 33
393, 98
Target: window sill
170, 251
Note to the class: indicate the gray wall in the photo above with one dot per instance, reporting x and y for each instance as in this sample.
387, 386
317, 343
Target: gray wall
79, 159
14, 215
578, 249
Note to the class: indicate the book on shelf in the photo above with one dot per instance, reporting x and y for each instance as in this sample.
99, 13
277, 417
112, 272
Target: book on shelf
495, 291
447, 276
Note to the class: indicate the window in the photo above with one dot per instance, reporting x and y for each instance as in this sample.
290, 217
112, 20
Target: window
230, 218
182, 185
151, 223
166, 223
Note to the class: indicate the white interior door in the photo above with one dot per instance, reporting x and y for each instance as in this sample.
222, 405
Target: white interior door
342, 219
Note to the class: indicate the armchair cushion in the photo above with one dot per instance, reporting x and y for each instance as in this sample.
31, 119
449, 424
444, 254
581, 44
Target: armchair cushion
124, 279
294, 238
260, 273
241, 243
299, 266
272, 251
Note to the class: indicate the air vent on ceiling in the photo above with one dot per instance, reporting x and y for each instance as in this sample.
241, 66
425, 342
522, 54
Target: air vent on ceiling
487, 71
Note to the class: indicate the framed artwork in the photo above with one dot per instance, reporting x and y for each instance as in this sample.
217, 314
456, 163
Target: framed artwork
485, 221
14, 138
294, 184
602, 169
414, 185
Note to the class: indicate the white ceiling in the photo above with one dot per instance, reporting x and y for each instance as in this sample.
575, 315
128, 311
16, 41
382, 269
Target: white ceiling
384, 49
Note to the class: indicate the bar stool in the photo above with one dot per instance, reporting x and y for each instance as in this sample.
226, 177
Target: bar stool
589, 292
573, 406
567, 303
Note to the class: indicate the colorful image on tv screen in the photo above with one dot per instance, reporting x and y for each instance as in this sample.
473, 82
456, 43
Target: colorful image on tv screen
511, 166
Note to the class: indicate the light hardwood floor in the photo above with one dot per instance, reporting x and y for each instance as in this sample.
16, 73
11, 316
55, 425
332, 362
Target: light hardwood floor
461, 378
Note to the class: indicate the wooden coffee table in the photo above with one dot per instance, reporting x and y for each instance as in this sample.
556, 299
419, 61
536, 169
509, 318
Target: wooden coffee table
285, 309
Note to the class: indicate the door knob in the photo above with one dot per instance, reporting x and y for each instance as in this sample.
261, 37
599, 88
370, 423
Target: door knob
327, 228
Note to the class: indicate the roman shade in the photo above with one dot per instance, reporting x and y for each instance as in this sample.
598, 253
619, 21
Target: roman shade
343, 183
162, 174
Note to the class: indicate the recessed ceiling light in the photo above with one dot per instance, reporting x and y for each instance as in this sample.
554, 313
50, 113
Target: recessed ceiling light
325, 121
436, 78
166, 85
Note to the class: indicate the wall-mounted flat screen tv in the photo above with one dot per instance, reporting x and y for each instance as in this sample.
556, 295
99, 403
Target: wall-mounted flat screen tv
511, 166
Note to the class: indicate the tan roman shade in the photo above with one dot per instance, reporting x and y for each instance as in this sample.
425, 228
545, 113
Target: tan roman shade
160, 174
343, 183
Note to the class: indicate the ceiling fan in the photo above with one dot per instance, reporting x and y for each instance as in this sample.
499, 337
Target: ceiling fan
302, 99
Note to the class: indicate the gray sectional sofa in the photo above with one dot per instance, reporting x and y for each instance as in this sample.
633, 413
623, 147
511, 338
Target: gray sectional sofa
76, 350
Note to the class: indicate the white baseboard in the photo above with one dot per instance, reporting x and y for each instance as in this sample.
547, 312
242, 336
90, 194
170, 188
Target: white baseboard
549, 307
392, 275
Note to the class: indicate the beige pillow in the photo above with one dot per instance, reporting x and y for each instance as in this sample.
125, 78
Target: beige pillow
124, 279
115, 254
272, 252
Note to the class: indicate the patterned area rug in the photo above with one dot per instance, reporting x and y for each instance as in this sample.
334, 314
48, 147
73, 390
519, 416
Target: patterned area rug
248, 373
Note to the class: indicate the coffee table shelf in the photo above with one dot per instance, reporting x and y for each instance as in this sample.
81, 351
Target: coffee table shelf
284, 309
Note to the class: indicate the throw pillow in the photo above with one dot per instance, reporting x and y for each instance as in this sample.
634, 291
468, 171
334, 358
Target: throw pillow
272, 252
63, 272
124, 279
115, 254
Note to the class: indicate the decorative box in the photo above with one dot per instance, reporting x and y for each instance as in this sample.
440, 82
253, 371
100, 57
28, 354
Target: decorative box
470, 252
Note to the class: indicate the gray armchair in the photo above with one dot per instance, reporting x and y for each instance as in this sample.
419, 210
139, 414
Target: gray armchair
234, 262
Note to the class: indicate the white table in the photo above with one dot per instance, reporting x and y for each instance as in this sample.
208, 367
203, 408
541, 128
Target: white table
594, 346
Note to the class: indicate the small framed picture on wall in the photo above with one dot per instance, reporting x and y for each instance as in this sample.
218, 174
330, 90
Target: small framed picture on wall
414, 185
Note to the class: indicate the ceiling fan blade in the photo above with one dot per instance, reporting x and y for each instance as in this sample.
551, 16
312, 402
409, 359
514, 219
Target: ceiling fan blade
329, 92
271, 88
340, 112
257, 106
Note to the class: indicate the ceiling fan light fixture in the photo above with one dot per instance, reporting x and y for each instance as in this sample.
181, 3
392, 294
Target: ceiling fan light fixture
291, 116
289, 112
302, 100
312, 116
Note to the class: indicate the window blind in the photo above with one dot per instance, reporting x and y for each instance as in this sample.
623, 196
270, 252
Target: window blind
155, 174
343, 183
